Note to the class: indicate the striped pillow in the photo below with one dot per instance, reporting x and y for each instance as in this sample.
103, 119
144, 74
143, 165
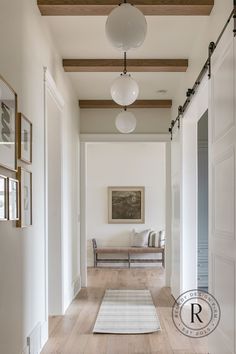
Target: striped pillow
162, 238
154, 239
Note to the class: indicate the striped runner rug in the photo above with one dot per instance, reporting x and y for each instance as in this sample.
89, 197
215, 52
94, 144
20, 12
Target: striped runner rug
127, 312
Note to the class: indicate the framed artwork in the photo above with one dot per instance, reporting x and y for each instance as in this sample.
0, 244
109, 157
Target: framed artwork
25, 189
25, 139
3, 198
126, 205
8, 112
13, 199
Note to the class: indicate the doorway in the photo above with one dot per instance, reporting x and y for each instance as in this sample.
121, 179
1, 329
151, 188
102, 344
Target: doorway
202, 235
94, 182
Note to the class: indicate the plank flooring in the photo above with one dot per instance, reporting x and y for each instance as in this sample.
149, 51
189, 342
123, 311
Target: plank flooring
72, 333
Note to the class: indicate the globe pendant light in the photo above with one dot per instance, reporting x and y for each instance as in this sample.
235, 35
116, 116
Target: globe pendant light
124, 90
126, 27
125, 122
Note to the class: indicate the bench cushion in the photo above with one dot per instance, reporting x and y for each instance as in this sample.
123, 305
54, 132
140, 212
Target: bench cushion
129, 250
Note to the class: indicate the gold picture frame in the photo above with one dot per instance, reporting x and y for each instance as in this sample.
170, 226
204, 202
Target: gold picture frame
25, 138
126, 205
25, 196
13, 199
3, 198
8, 126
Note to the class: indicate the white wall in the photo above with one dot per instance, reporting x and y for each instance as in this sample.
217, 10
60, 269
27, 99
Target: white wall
26, 46
103, 120
123, 164
54, 215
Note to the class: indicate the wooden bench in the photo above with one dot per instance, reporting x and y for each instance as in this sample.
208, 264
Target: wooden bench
128, 251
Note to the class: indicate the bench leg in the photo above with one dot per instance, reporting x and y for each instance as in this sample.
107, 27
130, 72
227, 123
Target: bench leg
163, 258
129, 259
95, 260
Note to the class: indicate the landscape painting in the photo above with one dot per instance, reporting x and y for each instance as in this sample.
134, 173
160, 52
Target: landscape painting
126, 205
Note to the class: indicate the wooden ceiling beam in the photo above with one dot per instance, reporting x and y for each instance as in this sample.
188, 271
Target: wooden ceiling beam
104, 7
105, 104
133, 65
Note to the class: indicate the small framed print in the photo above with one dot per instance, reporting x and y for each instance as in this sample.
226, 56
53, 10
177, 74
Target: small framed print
3, 198
8, 109
13, 199
25, 192
25, 139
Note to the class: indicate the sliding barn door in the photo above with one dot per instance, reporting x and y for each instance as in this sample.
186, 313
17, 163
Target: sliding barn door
176, 283
222, 196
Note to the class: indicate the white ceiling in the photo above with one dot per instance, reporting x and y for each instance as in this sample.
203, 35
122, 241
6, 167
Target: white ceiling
97, 85
169, 37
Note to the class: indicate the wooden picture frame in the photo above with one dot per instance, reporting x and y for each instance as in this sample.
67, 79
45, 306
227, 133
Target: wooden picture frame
3, 198
25, 131
8, 126
13, 199
126, 205
25, 196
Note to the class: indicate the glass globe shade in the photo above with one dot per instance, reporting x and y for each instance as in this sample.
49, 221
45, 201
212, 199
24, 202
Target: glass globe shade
124, 90
125, 122
126, 27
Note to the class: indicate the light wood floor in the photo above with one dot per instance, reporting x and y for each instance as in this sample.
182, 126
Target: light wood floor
72, 333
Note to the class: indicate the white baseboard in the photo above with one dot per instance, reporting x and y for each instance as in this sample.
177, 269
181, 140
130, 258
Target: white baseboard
76, 286
25, 350
74, 290
44, 333
43, 330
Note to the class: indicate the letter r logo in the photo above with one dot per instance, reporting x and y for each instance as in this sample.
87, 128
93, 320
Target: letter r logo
195, 312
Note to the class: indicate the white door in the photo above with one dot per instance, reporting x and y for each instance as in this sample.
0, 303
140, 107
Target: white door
222, 140
176, 281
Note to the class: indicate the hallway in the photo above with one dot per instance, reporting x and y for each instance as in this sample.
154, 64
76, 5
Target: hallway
72, 333
100, 138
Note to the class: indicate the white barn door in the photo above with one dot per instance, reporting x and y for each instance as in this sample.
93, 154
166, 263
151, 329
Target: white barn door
222, 191
176, 274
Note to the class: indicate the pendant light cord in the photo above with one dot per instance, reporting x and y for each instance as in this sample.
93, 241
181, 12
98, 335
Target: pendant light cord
125, 63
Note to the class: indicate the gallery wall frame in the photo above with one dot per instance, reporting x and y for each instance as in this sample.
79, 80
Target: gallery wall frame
3, 198
13, 199
25, 197
8, 126
126, 205
25, 138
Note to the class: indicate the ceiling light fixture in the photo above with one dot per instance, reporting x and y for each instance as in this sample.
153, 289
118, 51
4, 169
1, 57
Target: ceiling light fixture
162, 92
124, 90
126, 27
125, 122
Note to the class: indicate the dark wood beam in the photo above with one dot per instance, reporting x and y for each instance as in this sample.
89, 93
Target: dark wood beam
133, 65
104, 7
103, 104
